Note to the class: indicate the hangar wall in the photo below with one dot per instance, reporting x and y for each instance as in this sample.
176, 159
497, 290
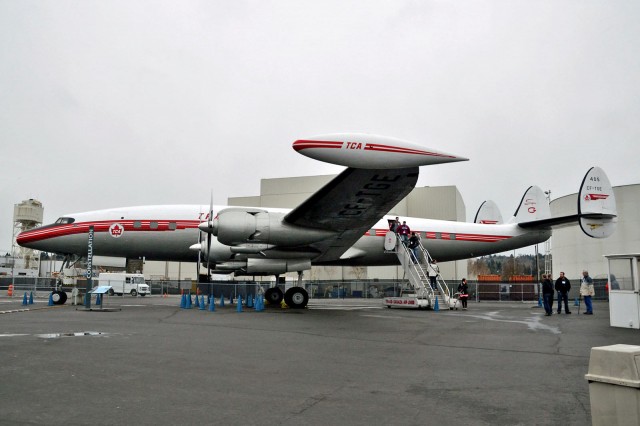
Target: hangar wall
443, 202
573, 251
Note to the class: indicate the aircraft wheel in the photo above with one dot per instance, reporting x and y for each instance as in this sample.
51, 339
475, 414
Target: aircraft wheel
59, 297
296, 297
273, 295
111, 292
134, 293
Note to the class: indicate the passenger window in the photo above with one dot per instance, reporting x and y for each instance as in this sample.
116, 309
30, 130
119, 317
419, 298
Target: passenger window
137, 224
172, 226
153, 225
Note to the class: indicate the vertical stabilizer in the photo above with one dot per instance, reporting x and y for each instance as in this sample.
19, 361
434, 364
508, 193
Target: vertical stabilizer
488, 214
597, 204
533, 206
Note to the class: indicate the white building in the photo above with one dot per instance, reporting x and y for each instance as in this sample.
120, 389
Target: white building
574, 252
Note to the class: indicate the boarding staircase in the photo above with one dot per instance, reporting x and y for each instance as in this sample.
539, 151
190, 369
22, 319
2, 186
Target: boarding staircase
418, 275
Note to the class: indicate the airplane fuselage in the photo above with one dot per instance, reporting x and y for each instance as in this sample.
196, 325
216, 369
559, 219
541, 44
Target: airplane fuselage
167, 232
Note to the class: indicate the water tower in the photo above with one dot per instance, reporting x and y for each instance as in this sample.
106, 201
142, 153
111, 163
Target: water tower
26, 215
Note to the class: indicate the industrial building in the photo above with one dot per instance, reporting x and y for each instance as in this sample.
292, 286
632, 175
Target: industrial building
23, 261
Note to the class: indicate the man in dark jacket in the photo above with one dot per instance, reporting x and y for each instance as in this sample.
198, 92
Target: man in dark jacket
563, 286
547, 294
414, 242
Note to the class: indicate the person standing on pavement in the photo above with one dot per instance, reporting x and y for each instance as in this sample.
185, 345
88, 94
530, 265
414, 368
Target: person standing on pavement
563, 286
463, 290
586, 291
547, 294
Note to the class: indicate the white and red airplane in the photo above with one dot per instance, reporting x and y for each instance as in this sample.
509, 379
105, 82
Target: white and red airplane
343, 223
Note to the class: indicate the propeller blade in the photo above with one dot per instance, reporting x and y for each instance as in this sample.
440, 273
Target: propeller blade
199, 248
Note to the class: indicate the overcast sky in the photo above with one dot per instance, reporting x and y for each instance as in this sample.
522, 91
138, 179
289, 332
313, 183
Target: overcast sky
118, 103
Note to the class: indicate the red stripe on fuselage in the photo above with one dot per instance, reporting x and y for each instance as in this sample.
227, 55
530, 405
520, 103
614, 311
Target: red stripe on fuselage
40, 234
450, 236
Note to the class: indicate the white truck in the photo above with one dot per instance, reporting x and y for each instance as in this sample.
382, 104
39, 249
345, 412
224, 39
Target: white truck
122, 283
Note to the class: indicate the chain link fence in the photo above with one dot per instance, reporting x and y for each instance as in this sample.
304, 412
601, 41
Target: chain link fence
359, 289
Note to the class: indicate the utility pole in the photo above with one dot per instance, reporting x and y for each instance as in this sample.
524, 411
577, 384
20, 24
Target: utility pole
547, 244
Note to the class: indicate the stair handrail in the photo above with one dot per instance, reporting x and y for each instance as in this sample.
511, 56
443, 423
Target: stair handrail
440, 282
426, 290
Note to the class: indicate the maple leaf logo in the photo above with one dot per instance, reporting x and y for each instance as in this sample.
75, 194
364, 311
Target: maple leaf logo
116, 230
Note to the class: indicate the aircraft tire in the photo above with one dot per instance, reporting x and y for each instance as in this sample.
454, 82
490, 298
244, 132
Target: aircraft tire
134, 293
296, 298
59, 297
273, 295
111, 292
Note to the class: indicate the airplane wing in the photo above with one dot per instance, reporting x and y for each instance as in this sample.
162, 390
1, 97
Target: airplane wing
351, 204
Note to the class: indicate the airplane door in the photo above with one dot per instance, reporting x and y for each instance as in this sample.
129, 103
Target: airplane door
390, 241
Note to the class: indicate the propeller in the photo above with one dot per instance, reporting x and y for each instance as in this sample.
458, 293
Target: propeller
198, 247
207, 227
210, 223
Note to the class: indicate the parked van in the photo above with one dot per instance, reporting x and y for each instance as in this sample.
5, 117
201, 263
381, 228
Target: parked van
121, 283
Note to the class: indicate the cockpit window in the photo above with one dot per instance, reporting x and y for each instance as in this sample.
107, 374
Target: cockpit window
65, 221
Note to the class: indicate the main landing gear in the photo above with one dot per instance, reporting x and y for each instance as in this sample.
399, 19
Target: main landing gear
58, 297
295, 297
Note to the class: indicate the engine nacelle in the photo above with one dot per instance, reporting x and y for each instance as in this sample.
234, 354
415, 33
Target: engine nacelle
239, 226
276, 266
257, 266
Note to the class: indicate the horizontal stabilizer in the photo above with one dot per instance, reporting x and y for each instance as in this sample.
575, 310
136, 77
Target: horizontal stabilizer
596, 213
488, 214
